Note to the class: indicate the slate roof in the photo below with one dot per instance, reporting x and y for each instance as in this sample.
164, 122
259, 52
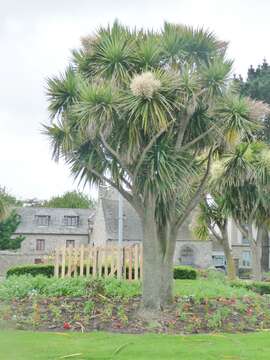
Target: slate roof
132, 228
56, 225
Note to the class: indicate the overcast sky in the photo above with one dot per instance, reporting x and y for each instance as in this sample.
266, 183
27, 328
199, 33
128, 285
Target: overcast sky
36, 37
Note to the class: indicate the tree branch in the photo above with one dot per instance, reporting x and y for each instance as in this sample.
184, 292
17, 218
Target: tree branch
196, 198
114, 153
198, 138
145, 151
183, 125
216, 235
241, 228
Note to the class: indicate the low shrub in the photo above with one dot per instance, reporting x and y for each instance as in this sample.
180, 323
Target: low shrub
259, 287
34, 270
184, 272
180, 272
244, 273
19, 287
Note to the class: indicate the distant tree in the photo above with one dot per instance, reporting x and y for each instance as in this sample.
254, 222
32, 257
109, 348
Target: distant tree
8, 199
9, 221
70, 199
257, 86
7, 228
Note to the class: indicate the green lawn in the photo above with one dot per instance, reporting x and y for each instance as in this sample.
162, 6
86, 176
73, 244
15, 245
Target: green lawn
204, 288
22, 345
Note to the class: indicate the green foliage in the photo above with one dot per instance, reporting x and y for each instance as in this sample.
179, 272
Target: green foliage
8, 199
257, 86
209, 289
180, 272
184, 272
34, 270
70, 199
18, 287
89, 306
119, 113
7, 227
259, 287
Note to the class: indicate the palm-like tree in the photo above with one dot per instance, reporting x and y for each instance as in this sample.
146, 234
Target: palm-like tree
245, 183
143, 111
212, 219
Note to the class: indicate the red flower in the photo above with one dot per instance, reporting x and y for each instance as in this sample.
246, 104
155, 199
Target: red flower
67, 326
249, 311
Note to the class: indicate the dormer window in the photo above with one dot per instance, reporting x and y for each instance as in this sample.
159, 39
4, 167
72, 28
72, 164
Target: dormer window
71, 220
42, 220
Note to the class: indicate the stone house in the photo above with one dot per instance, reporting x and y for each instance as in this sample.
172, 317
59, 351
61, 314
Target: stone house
189, 251
45, 229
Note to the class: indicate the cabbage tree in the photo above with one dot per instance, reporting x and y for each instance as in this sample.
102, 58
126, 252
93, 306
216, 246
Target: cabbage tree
212, 220
244, 180
144, 112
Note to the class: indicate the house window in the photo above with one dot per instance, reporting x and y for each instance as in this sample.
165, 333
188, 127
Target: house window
40, 244
70, 243
187, 256
42, 220
38, 261
246, 259
219, 260
71, 220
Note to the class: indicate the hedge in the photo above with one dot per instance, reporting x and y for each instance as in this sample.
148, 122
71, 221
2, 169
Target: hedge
180, 272
259, 287
34, 270
184, 272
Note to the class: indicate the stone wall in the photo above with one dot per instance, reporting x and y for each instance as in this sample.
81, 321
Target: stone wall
202, 251
9, 259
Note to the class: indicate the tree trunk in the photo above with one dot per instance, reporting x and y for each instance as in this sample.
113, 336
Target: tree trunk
231, 271
158, 251
256, 255
265, 249
230, 262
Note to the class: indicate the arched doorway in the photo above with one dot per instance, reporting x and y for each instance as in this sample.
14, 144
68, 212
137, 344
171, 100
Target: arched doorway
187, 256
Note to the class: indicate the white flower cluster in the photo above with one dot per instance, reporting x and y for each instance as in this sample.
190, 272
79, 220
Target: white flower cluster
265, 156
145, 84
217, 169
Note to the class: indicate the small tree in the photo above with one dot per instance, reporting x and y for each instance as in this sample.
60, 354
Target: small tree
9, 221
70, 199
143, 111
211, 219
245, 183
7, 228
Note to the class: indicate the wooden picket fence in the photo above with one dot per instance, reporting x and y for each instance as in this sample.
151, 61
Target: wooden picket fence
122, 262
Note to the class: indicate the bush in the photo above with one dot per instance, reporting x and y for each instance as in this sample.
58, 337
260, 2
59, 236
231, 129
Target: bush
34, 270
259, 287
244, 273
19, 287
184, 272
180, 272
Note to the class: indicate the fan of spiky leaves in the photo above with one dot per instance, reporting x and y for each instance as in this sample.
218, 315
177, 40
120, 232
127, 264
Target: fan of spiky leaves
244, 179
210, 215
119, 110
